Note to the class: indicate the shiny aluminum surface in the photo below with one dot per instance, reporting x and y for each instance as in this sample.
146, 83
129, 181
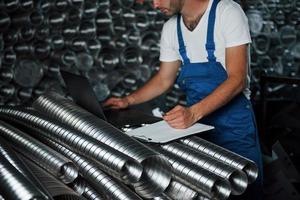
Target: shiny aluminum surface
91, 194
110, 160
11, 156
224, 155
197, 178
102, 183
179, 191
57, 189
50, 160
13, 184
237, 178
156, 174
7, 151
163, 196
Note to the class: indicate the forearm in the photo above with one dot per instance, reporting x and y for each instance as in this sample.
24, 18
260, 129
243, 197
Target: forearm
153, 88
219, 97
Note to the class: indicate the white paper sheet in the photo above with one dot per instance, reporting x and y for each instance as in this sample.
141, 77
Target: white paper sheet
161, 132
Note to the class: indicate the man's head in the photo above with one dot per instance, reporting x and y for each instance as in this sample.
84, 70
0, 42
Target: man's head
167, 7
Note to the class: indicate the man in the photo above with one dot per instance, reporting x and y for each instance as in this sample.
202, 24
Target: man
209, 40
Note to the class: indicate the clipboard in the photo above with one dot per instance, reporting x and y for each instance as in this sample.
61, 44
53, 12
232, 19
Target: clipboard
161, 132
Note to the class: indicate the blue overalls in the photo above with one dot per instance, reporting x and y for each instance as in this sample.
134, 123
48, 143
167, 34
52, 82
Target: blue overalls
234, 123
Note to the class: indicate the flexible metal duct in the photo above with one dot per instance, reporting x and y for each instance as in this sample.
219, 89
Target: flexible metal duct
197, 178
13, 184
10, 155
237, 178
57, 189
104, 184
157, 171
91, 194
78, 185
56, 164
228, 157
162, 197
112, 161
178, 191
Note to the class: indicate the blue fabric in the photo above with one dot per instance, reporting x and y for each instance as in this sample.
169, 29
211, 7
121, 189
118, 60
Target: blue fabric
234, 123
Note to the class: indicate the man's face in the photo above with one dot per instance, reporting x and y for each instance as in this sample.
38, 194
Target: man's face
168, 7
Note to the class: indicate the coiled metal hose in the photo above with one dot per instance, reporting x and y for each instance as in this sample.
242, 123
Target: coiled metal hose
110, 160
228, 157
11, 156
178, 191
197, 178
50, 160
237, 178
56, 188
156, 174
13, 184
99, 180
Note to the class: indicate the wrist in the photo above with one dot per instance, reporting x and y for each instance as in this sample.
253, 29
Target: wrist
196, 112
129, 100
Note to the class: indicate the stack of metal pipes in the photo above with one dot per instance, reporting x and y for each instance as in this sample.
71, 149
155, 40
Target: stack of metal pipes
95, 160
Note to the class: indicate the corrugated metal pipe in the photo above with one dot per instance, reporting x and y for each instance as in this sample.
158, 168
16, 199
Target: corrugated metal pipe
228, 157
156, 174
237, 178
13, 184
47, 158
110, 160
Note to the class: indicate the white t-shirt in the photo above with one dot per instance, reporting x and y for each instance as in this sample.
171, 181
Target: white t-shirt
231, 29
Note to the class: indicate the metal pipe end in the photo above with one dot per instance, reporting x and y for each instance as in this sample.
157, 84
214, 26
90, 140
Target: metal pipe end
221, 189
156, 177
238, 181
131, 171
251, 171
68, 173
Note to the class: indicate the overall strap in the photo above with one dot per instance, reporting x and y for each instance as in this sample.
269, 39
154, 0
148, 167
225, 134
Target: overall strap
182, 49
210, 43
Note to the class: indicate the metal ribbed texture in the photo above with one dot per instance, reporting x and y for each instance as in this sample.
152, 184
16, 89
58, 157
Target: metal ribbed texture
50, 160
224, 155
163, 196
56, 188
112, 161
13, 185
10, 155
78, 185
157, 171
178, 191
91, 194
237, 179
197, 178
104, 184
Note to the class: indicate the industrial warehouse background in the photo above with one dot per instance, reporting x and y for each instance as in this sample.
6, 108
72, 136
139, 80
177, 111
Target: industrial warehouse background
115, 45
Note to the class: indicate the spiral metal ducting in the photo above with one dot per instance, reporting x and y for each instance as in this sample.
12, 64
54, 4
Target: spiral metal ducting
224, 155
163, 196
78, 185
13, 184
237, 178
197, 178
104, 184
91, 194
57, 189
156, 174
50, 160
10, 155
112, 161
178, 191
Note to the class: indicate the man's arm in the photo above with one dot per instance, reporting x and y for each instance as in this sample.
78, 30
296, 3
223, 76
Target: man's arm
157, 85
236, 63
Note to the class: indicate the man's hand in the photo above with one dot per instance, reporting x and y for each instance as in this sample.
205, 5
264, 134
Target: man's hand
180, 117
116, 103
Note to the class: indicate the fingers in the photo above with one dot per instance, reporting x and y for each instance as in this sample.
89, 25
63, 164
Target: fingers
115, 103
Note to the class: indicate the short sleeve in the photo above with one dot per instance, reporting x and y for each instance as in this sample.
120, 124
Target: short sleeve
235, 26
168, 52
